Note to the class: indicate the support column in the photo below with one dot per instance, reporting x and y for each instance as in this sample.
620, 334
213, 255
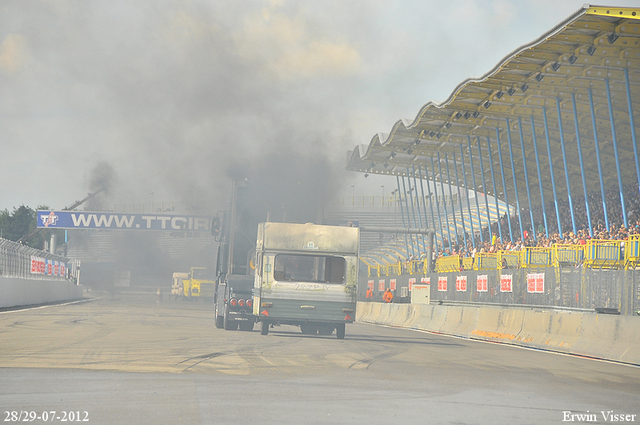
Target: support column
495, 191
444, 203
435, 196
595, 139
504, 183
566, 167
584, 178
544, 207
526, 179
553, 179
466, 188
453, 208
632, 124
515, 183
464, 229
475, 191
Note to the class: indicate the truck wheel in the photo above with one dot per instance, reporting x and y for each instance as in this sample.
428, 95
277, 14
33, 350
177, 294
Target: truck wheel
308, 329
228, 323
219, 319
246, 326
340, 330
265, 328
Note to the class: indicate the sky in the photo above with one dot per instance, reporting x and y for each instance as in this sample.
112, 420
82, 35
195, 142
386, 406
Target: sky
167, 101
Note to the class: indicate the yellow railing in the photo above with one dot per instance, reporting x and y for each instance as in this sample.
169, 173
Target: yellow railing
609, 254
533, 256
449, 263
603, 254
567, 255
486, 261
632, 253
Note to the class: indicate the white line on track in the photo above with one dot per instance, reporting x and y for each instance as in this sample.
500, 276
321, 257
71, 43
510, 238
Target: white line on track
50, 305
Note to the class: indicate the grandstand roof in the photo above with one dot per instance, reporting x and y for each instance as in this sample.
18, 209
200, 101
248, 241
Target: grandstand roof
593, 54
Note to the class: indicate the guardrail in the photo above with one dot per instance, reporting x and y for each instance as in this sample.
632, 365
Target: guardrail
20, 261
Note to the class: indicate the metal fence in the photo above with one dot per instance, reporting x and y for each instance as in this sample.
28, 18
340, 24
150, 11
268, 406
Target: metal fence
568, 287
20, 261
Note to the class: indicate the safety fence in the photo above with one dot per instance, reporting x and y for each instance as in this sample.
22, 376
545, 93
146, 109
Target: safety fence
20, 261
617, 291
595, 254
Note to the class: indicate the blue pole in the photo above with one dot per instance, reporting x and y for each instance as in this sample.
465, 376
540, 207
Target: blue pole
526, 179
433, 222
475, 191
406, 200
464, 228
504, 182
495, 191
515, 184
453, 208
417, 207
535, 147
553, 179
615, 149
466, 188
406, 241
595, 139
424, 204
633, 126
435, 195
566, 168
444, 203
584, 179
484, 188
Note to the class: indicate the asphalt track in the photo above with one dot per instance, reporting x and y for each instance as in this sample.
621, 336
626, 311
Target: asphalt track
128, 359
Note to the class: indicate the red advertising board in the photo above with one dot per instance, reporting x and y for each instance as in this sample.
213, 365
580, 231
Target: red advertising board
506, 283
461, 283
370, 284
535, 283
412, 281
425, 280
392, 284
481, 283
442, 283
381, 284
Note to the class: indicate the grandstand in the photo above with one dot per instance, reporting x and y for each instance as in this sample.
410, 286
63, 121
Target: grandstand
549, 131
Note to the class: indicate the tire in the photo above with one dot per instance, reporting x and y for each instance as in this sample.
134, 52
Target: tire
265, 328
308, 329
246, 326
340, 330
227, 323
219, 319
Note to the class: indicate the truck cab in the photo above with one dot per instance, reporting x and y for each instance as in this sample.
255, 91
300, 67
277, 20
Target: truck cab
306, 276
234, 303
198, 284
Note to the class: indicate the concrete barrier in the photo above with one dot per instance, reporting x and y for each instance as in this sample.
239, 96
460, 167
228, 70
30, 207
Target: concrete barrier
18, 292
602, 336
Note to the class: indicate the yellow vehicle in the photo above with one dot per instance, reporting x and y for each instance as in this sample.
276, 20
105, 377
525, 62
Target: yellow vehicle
200, 283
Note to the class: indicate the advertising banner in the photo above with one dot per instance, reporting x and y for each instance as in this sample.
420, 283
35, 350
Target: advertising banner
461, 283
442, 283
506, 283
115, 221
482, 283
381, 284
535, 283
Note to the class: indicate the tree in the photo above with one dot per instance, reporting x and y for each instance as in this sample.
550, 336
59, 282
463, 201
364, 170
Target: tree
19, 222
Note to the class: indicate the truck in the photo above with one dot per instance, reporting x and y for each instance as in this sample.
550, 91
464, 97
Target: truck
198, 284
177, 287
234, 303
306, 275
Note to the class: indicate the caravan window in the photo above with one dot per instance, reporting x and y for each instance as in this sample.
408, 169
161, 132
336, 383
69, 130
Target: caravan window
310, 268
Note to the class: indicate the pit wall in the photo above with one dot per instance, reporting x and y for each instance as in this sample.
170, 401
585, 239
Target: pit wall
602, 336
18, 292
